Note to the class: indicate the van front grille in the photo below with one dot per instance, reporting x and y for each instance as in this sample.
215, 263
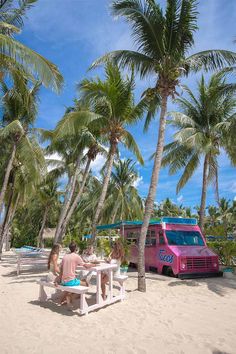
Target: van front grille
199, 263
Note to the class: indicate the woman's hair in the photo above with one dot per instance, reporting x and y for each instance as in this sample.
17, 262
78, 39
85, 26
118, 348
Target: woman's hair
118, 251
55, 250
88, 249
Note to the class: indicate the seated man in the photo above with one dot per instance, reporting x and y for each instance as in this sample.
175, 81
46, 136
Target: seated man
68, 268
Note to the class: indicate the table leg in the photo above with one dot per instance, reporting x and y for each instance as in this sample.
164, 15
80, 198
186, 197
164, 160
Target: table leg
42, 293
99, 291
83, 305
110, 284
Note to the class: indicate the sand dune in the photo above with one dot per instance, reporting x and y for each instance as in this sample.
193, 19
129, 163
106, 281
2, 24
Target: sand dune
193, 316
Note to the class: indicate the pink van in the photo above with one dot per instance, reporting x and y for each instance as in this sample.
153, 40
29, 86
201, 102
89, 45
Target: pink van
174, 246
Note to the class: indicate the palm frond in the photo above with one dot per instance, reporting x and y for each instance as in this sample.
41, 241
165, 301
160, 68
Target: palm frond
142, 63
129, 142
32, 62
210, 60
189, 170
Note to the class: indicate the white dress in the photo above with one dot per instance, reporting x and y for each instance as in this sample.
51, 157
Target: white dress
116, 272
87, 274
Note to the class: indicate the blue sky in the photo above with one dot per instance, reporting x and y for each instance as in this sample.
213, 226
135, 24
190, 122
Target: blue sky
73, 33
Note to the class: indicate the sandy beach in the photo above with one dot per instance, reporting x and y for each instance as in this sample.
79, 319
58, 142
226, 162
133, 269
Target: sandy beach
173, 316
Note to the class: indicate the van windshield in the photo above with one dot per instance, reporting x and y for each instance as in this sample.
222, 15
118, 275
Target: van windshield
184, 238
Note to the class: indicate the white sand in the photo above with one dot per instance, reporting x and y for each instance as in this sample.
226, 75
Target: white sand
173, 316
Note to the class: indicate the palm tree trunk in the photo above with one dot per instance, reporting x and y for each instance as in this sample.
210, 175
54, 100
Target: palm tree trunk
3, 226
104, 188
151, 195
75, 202
68, 198
40, 235
8, 221
6, 177
204, 190
115, 212
217, 187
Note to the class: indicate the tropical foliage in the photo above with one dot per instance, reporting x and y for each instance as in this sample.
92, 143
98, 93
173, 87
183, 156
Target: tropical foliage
47, 177
204, 125
163, 40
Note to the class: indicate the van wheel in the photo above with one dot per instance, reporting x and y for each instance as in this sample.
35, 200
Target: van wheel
133, 265
167, 271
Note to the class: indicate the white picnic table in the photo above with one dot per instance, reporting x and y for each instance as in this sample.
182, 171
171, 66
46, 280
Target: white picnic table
111, 298
32, 258
84, 307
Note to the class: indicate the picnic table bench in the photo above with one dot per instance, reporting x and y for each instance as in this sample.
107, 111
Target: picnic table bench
84, 308
30, 260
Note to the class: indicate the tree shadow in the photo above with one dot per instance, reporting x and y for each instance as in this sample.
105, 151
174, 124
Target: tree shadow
54, 307
150, 276
218, 286
30, 272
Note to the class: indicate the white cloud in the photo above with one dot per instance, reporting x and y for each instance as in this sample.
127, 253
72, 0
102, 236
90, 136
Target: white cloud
180, 199
138, 181
97, 164
235, 198
54, 156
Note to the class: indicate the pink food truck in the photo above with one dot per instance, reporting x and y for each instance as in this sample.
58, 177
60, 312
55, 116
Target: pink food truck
174, 246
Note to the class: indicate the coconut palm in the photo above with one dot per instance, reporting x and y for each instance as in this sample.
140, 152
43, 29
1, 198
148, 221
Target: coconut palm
27, 169
225, 214
123, 201
113, 100
20, 104
81, 138
48, 196
16, 57
67, 164
213, 215
163, 40
203, 128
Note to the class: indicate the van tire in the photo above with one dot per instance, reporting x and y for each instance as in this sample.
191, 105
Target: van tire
153, 270
133, 265
166, 270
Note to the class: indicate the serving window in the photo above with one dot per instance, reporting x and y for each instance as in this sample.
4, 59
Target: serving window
151, 238
132, 237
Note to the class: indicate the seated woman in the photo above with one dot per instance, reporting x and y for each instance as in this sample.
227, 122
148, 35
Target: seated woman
53, 266
89, 257
115, 257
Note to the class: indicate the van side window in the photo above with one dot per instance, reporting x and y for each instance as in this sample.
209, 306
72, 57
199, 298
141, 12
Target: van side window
161, 238
132, 237
151, 238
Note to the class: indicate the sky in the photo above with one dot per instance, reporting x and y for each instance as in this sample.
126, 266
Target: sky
73, 33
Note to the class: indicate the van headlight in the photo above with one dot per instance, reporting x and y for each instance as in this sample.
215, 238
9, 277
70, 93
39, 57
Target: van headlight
183, 264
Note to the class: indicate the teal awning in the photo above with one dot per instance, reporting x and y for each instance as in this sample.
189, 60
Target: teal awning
167, 220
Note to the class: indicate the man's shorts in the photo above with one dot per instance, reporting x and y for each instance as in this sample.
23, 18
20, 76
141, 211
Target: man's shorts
73, 282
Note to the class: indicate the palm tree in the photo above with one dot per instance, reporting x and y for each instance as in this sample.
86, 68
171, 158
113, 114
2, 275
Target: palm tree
48, 196
203, 128
213, 215
16, 57
27, 169
113, 100
163, 41
20, 104
123, 201
80, 138
225, 214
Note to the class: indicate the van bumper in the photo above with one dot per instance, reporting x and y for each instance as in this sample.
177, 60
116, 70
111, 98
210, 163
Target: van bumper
200, 275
